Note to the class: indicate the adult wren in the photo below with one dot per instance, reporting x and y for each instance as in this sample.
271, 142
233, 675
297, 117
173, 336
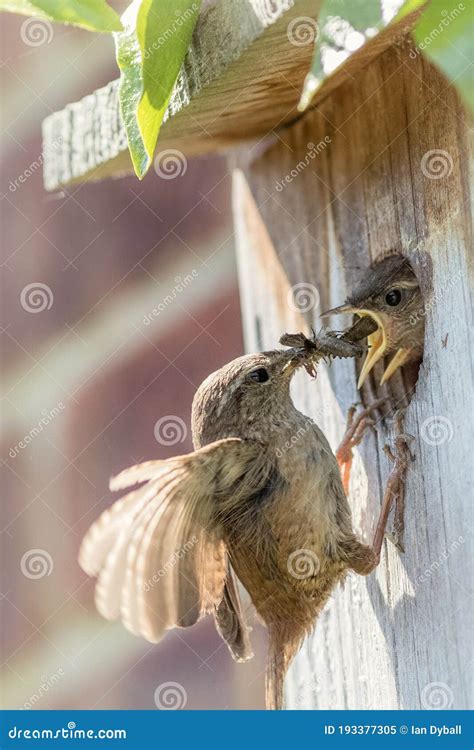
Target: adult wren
259, 498
390, 295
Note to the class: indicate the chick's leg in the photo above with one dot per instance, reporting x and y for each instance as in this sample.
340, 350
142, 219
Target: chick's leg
355, 429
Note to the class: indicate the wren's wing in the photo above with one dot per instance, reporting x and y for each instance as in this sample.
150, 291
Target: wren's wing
159, 552
230, 620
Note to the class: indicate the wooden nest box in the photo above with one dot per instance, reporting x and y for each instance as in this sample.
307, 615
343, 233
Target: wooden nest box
317, 197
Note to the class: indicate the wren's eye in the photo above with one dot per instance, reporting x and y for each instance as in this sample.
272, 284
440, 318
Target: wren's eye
393, 297
260, 375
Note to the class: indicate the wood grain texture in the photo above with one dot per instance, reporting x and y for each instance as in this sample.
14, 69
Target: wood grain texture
386, 641
242, 79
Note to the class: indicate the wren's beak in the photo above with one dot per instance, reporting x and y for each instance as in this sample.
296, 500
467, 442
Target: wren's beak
377, 342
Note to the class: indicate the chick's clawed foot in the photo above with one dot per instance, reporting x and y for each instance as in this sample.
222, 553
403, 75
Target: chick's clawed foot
356, 426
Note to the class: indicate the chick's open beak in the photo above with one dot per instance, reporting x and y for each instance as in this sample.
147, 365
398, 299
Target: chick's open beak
377, 341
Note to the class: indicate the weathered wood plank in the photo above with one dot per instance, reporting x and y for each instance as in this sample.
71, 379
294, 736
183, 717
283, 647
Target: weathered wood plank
385, 641
87, 139
241, 79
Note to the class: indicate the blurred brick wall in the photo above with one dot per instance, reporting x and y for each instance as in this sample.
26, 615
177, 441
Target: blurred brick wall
98, 248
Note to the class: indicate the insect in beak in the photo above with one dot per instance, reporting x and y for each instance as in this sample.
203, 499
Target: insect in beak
300, 357
307, 352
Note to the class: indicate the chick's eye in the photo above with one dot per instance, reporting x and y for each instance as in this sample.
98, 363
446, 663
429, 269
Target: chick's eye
260, 375
393, 297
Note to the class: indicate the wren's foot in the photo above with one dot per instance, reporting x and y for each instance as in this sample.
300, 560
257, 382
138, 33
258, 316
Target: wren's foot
355, 428
362, 558
395, 490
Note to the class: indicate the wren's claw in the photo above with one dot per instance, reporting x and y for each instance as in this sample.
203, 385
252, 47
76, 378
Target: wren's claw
396, 481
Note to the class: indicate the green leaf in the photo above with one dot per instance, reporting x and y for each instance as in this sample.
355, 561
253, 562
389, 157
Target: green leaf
150, 53
343, 27
164, 31
129, 60
443, 32
94, 15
